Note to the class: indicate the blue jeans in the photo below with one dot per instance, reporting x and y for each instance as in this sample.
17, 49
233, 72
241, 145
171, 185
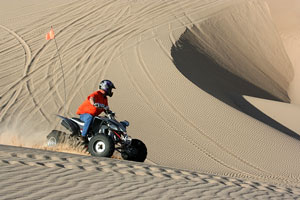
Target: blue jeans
87, 118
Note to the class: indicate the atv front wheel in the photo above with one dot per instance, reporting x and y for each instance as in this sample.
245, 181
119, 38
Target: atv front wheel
55, 137
137, 151
101, 146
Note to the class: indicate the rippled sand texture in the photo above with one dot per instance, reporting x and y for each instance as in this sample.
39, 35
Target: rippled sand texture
181, 68
35, 174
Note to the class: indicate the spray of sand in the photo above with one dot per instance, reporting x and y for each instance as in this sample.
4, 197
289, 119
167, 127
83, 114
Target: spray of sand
35, 139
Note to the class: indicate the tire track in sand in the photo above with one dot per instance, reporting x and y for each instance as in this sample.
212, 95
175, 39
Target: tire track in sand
26, 76
15, 92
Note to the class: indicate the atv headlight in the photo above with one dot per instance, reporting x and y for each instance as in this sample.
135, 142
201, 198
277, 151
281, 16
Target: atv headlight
125, 123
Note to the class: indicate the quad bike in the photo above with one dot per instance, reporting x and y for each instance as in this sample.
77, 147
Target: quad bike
105, 135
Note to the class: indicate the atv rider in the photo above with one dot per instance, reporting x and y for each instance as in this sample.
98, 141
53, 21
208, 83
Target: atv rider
94, 105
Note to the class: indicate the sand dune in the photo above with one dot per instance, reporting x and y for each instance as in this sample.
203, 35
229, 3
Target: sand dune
181, 69
287, 20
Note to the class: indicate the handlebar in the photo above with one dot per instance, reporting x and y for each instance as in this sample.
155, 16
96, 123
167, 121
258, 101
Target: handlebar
111, 113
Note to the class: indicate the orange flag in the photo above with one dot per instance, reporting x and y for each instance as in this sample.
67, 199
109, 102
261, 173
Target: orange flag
50, 34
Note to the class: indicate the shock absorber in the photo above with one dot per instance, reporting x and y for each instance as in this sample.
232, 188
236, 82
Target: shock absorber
112, 135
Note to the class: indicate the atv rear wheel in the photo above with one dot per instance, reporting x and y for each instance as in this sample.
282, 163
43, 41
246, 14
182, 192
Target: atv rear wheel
55, 137
137, 151
101, 146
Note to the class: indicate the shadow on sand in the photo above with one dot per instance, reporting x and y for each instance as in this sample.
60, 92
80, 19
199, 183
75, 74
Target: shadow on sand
201, 70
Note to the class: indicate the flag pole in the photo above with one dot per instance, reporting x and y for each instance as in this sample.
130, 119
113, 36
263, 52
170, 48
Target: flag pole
63, 74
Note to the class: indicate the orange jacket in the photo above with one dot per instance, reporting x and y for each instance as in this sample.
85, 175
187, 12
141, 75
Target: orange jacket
87, 107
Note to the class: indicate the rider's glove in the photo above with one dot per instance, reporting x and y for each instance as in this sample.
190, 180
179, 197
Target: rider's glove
99, 105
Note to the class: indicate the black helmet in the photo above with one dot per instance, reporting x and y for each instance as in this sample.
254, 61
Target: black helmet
107, 86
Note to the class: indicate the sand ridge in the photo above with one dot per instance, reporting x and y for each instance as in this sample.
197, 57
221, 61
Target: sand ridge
26, 158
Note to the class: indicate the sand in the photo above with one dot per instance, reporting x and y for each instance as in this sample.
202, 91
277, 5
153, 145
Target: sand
209, 86
288, 26
70, 176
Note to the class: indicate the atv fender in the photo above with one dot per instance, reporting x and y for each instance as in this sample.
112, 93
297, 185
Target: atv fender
70, 125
